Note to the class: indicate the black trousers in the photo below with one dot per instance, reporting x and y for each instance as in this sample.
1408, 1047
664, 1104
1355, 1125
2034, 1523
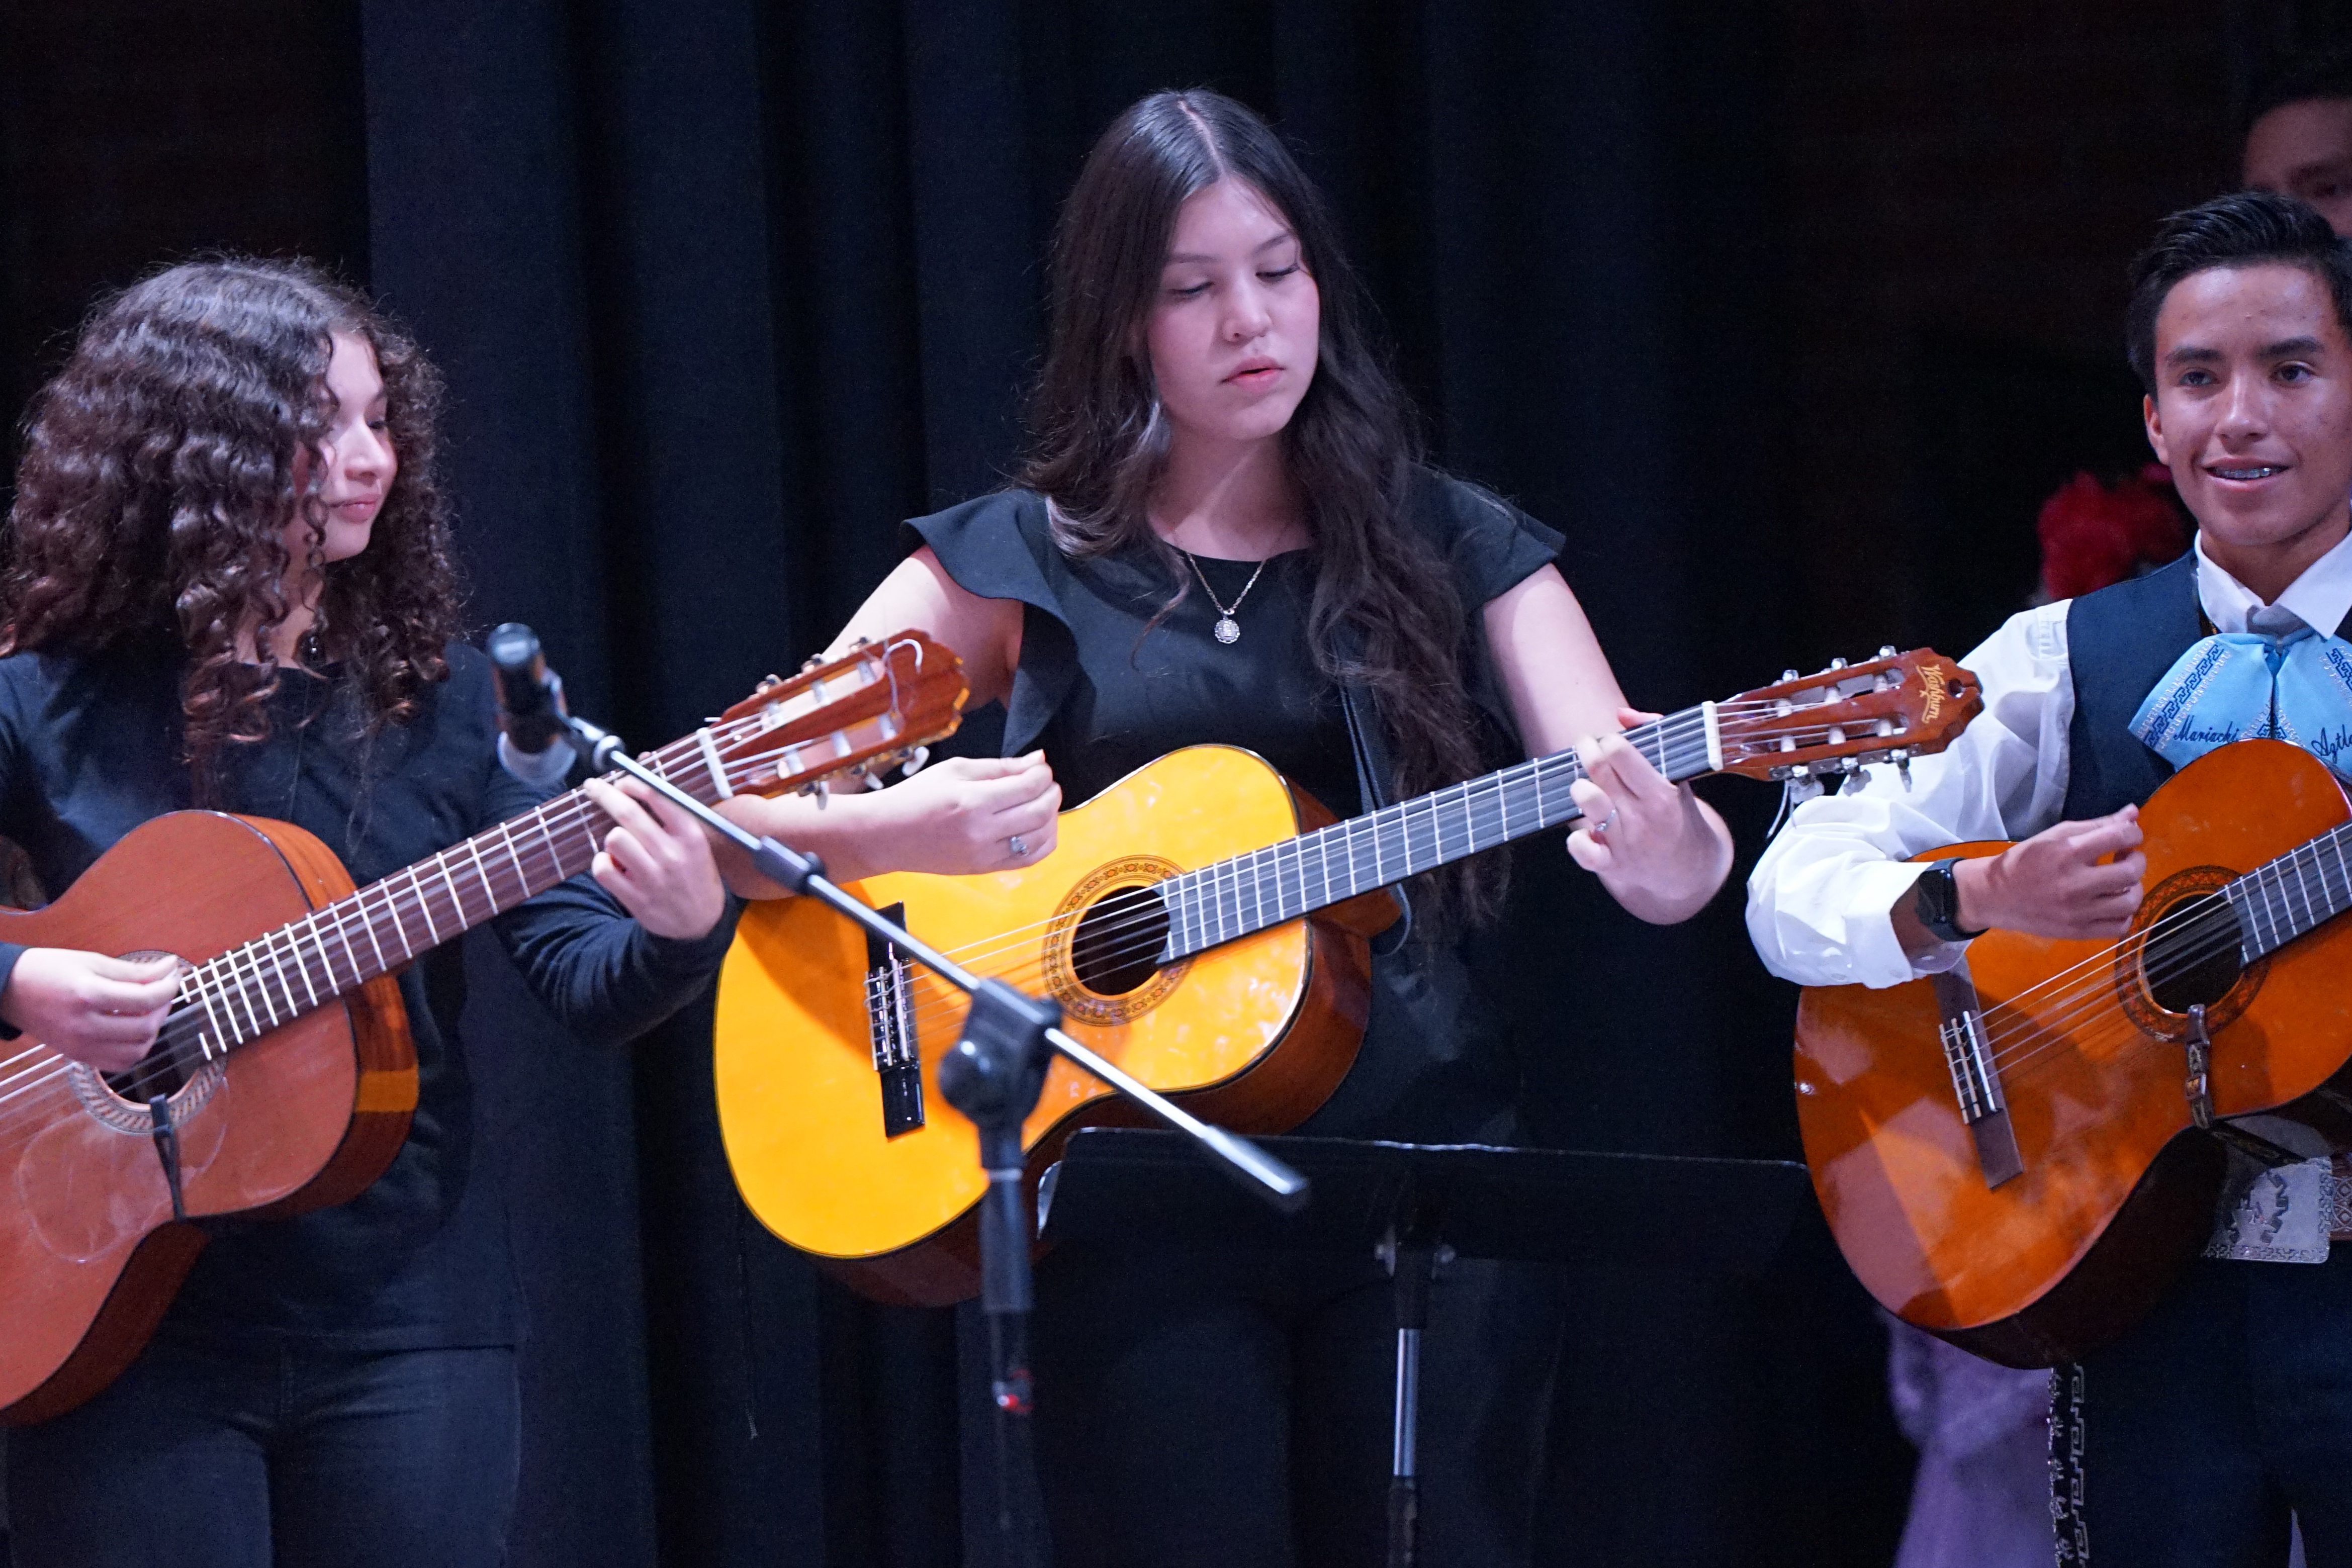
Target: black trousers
1235, 1408
2227, 1407
269, 1456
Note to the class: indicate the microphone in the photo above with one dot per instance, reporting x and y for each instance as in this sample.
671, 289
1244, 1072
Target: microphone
532, 711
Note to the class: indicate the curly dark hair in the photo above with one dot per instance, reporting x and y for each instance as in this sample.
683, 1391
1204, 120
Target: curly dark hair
1100, 442
159, 474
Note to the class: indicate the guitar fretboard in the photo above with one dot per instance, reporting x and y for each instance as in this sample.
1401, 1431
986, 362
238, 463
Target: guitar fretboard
2279, 902
1330, 865
245, 992
252, 988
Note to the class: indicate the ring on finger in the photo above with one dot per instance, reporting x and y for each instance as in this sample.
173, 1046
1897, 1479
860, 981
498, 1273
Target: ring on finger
1019, 846
1604, 825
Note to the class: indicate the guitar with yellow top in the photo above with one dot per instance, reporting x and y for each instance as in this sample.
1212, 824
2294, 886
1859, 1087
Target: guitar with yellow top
1202, 922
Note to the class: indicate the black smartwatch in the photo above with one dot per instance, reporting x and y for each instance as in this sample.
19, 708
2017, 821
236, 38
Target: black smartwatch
1936, 897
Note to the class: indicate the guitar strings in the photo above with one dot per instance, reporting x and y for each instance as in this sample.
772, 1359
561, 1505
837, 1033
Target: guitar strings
243, 975
1115, 944
2089, 1008
2227, 932
237, 973
1690, 724
1487, 810
180, 1057
1482, 798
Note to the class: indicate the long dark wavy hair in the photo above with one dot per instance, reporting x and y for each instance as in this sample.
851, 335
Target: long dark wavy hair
1382, 615
159, 474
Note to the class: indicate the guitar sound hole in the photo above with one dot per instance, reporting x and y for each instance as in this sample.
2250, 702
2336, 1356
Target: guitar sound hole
2194, 958
1116, 948
159, 1073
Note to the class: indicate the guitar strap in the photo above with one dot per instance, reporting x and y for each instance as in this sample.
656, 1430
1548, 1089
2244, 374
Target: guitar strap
1370, 751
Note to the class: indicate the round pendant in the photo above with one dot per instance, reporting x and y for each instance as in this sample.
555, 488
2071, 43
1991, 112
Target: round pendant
1227, 632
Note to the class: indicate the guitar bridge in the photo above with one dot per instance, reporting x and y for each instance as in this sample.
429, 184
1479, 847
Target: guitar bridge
890, 1021
1975, 1080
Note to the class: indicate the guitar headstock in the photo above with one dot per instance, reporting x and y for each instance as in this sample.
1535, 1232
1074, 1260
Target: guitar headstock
1891, 709
867, 710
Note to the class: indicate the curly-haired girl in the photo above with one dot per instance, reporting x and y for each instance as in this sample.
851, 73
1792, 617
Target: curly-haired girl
228, 584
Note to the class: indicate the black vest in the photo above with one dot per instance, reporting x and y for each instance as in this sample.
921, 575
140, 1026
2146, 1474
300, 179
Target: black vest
2119, 642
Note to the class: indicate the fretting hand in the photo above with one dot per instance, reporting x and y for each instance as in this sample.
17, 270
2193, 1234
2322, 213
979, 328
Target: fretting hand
656, 861
95, 1008
1655, 846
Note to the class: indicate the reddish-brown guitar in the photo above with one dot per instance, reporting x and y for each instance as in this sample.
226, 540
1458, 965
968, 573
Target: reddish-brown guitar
2020, 1155
284, 1077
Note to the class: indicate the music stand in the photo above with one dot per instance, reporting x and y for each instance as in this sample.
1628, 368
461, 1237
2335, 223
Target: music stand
1417, 1205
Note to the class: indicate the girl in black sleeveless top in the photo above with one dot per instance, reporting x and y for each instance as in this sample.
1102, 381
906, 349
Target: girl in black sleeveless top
1223, 524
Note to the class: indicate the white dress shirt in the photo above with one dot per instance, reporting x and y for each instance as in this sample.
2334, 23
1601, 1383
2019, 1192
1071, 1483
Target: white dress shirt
1819, 901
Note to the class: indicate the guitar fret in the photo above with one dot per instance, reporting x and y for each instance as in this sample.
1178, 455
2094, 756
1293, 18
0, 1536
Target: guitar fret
424, 909
238, 993
204, 994
313, 924
278, 967
257, 982
441, 863
343, 933
522, 877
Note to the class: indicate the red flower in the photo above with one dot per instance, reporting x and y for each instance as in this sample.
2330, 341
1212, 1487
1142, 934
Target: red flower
2094, 534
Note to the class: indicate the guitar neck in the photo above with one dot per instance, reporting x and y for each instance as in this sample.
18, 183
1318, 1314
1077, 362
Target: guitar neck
2300, 890
1330, 865
251, 989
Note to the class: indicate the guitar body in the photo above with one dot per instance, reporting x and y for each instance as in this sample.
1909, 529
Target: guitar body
1254, 1034
2118, 1187
306, 1116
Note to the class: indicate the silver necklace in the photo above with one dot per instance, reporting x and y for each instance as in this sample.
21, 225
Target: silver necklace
1228, 630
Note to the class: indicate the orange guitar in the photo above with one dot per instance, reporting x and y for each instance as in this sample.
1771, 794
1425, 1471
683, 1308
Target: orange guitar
2019, 1156
283, 1077
1202, 923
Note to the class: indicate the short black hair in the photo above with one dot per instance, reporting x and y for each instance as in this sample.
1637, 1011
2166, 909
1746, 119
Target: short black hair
2246, 229
2320, 74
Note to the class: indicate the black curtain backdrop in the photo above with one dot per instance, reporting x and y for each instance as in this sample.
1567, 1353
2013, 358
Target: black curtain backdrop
724, 291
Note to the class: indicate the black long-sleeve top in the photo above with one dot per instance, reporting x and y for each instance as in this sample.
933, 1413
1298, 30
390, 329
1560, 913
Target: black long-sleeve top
89, 748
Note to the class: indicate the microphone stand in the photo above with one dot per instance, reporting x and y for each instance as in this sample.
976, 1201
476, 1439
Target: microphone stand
993, 1075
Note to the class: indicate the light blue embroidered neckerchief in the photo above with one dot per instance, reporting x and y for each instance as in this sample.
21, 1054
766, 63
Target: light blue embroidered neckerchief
2242, 686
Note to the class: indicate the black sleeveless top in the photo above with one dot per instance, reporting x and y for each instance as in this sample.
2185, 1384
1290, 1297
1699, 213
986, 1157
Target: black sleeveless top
1104, 697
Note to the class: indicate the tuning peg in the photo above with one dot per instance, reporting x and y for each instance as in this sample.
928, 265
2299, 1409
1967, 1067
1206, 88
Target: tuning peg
1903, 769
820, 791
914, 762
1887, 650
1787, 675
1837, 664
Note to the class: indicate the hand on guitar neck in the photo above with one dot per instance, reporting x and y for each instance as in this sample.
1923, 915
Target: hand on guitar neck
1662, 852
105, 1010
2078, 882
656, 862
